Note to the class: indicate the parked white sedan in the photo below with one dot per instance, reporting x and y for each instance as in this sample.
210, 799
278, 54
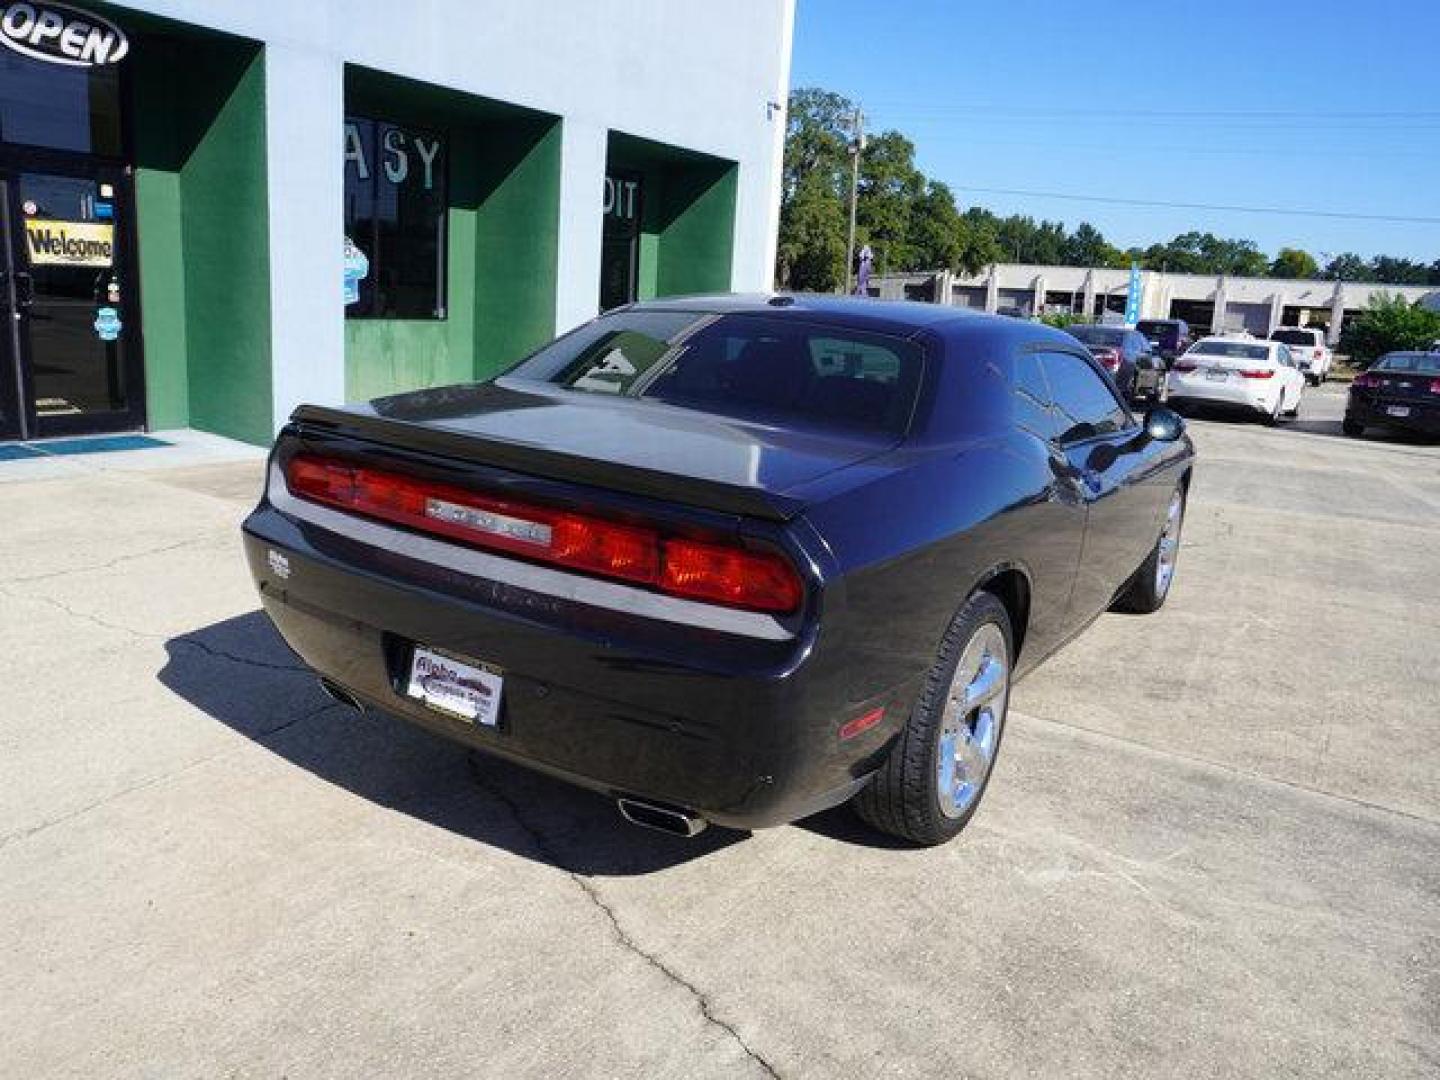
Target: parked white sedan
1238, 372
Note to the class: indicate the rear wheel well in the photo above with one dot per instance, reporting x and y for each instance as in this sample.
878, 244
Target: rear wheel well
1012, 589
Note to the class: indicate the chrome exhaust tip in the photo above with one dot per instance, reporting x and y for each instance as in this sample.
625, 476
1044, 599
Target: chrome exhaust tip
337, 693
666, 819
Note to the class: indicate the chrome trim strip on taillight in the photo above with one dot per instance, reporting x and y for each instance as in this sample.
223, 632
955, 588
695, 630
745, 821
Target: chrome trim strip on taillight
611, 595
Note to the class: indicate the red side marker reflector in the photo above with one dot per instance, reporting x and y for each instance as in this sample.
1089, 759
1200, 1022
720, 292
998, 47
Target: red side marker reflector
862, 724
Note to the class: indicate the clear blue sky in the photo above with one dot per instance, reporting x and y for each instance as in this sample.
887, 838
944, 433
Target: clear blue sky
1317, 105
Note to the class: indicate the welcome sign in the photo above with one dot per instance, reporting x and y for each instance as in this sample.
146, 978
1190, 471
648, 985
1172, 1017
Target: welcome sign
70, 243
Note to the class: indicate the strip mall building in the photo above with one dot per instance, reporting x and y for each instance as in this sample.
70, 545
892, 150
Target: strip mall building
213, 211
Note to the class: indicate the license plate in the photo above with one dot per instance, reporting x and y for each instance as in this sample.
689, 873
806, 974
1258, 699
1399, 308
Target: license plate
1217, 375
459, 688
1398, 410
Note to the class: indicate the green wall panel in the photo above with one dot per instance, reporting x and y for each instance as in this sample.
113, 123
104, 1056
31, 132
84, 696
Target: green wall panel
697, 246
227, 259
200, 197
162, 297
517, 245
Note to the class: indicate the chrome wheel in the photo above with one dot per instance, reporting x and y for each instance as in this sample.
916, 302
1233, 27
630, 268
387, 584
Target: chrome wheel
974, 716
1169, 545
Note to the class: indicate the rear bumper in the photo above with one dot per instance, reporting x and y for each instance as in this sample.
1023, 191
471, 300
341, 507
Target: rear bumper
1187, 389
739, 728
1424, 418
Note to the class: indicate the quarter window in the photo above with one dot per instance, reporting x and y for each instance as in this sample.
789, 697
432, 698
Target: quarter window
1084, 403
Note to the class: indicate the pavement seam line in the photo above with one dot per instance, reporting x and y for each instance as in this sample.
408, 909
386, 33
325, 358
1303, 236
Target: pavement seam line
592, 894
1191, 759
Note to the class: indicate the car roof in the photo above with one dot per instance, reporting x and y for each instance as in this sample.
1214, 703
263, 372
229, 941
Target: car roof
1238, 339
900, 317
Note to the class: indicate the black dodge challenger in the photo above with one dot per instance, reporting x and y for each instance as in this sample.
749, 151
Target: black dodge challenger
728, 559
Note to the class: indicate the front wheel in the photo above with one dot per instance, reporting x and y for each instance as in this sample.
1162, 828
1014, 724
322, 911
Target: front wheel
1147, 590
931, 783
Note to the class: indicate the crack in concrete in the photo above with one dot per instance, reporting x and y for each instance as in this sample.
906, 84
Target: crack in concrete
144, 635
221, 654
86, 616
1196, 760
152, 781
542, 845
117, 561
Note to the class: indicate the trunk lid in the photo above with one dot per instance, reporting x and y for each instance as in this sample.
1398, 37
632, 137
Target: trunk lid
637, 446
1404, 386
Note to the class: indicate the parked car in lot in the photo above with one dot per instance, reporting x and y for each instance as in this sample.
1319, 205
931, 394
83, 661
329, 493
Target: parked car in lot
1237, 371
728, 559
1309, 351
1401, 391
1127, 356
1169, 338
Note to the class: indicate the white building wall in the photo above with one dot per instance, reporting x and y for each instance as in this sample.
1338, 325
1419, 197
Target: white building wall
706, 76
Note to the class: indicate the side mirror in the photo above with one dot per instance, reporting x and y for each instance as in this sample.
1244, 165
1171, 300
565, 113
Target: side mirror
1164, 425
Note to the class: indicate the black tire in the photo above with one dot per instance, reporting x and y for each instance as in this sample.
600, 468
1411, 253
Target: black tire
903, 798
1147, 589
1353, 428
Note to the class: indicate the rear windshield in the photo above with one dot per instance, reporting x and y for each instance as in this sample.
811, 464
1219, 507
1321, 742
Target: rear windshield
1416, 362
745, 366
1294, 337
1235, 350
1098, 335
1156, 331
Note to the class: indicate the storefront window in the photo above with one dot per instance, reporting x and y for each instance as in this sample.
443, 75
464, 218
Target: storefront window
395, 220
620, 256
59, 108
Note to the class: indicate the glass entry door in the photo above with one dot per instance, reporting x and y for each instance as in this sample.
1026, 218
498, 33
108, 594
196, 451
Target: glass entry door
69, 363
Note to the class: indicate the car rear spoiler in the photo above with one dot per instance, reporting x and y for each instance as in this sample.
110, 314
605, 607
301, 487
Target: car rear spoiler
532, 460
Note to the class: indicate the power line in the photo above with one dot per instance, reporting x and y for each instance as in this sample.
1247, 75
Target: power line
1344, 215
897, 107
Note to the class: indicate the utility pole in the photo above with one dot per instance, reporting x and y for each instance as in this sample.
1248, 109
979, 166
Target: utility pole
857, 144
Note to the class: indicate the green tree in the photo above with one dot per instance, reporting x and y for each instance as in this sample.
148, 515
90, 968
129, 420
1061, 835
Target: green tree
1087, 246
1206, 253
814, 187
1294, 263
1389, 270
1347, 267
1389, 323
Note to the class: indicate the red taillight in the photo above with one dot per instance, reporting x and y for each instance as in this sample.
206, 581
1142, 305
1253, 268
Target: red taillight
1435, 386
1183, 365
1109, 359
1318, 353
733, 576
1365, 380
1257, 373
726, 575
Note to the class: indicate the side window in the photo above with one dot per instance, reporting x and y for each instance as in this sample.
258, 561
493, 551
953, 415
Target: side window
1085, 406
1283, 353
1032, 396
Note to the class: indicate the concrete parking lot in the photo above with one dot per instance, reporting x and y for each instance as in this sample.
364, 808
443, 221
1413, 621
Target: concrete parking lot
1212, 847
